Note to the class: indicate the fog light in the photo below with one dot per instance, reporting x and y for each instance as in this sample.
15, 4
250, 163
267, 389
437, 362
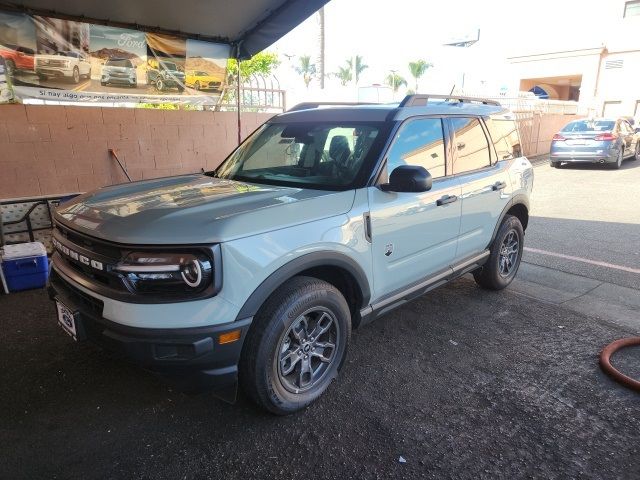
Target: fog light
229, 337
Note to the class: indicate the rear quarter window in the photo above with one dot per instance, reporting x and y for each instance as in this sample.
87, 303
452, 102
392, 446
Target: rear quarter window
504, 134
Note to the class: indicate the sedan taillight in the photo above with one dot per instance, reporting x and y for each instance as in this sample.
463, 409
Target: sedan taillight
606, 137
558, 138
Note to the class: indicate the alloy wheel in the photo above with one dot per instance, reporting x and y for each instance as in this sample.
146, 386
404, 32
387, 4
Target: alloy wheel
307, 349
509, 251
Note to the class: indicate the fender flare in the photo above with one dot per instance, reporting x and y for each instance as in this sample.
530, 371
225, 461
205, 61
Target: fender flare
298, 265
519, 199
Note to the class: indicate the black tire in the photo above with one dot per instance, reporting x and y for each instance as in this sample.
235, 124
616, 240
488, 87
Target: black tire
180, 89
555, 164
261, 374
10, 67
75, 75
636, 155
104, 84
197, 85
159, 84
491, 276
618, 163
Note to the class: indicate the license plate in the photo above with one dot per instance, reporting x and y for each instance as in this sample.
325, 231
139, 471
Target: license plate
67, 320
575, 142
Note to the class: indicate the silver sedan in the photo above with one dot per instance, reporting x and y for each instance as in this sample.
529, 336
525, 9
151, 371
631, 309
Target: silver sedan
603, 140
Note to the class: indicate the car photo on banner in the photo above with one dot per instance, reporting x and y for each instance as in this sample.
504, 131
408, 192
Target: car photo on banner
118, 58
55, 59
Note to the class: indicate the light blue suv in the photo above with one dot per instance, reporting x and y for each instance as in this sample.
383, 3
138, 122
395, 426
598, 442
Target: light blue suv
325, 218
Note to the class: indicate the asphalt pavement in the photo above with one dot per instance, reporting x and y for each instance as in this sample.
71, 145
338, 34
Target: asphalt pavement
461, 383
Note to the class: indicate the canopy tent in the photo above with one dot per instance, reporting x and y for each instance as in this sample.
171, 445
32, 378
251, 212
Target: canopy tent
248, 25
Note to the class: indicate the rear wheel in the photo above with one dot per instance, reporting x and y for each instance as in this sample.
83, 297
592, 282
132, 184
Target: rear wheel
197, 85
618, 162
555, 164
504, 260
296, 345
76, 75
636, 156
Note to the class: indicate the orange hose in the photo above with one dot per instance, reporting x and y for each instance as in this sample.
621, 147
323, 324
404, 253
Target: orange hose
605, 361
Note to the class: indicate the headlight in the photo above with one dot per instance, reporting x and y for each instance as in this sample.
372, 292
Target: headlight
175, 274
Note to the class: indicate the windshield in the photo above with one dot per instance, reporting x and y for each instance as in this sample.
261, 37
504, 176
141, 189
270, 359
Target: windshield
169, 66
311, 155
119, 63
590, 126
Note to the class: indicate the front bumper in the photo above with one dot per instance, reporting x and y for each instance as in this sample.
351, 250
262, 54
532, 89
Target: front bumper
192, 359
120, 80
54, 71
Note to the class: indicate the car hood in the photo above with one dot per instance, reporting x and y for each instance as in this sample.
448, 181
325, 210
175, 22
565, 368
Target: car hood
195, 209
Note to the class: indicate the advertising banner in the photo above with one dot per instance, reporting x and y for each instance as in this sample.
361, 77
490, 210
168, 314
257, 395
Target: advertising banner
53, 59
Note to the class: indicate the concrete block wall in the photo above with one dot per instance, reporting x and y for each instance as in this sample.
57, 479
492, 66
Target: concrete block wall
53, 150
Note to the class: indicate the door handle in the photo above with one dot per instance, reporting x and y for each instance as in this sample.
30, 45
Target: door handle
461, 145
498, 186
447, 199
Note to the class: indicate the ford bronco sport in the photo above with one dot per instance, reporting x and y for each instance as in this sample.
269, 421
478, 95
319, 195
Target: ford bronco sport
325, 218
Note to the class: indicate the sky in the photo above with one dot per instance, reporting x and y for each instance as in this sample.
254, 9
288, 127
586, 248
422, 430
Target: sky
390, 34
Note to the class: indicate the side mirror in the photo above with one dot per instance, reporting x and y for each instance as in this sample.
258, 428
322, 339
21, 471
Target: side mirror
408, 178
637, 130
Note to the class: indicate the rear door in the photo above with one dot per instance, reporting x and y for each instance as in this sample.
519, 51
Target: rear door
627, 134
484, 181
414, 235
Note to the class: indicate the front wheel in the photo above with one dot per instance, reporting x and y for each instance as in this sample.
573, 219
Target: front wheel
504, 260
10, 67
296, 345
159, 84
555, 164
76, 75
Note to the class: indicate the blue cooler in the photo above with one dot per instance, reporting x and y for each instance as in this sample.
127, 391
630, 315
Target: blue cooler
25, 266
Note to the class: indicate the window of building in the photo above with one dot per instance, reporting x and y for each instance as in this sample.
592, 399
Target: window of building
471, 145
419, 142
632, 9
506, 141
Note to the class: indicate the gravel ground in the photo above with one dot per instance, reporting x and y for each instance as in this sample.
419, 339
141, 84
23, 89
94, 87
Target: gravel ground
461, 383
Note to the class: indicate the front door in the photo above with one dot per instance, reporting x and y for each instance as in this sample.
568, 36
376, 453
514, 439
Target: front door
414, 235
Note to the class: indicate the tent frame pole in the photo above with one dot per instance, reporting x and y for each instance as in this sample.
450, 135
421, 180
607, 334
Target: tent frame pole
238, 101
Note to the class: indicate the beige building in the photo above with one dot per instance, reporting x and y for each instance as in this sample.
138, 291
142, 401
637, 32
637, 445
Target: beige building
603, 78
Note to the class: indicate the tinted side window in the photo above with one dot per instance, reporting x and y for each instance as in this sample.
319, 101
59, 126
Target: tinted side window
471, 145
419, 142
504, 134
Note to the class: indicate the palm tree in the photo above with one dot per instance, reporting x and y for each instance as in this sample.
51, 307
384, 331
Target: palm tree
306, 69
395, 81
359, 66
344, 74
418, 69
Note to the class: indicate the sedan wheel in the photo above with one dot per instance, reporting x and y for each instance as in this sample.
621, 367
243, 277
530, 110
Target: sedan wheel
618, 163
637, 154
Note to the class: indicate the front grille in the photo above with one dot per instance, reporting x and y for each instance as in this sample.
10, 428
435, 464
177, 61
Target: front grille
90, 258
53, 63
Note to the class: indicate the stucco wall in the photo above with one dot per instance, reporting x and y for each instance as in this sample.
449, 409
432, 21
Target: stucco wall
47, 150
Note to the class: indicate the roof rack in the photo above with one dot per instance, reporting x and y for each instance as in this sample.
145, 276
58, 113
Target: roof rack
309, 105
420, 100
